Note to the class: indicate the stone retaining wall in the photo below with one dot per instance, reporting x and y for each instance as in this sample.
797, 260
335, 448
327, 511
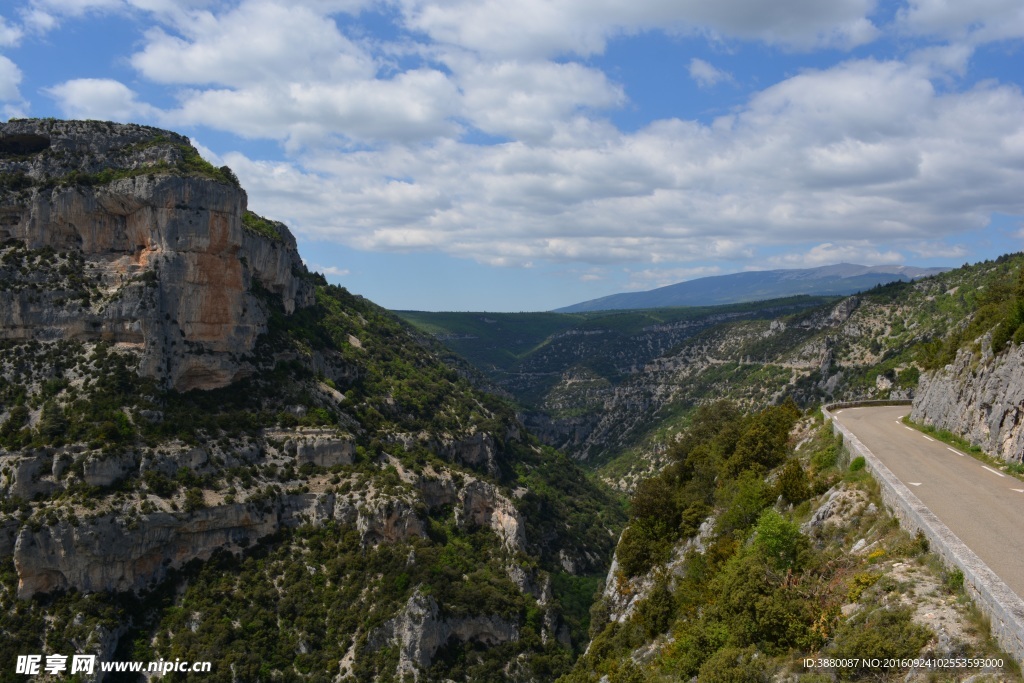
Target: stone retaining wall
1003, 607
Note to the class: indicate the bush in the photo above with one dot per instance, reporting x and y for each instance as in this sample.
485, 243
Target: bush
194, 500
793, 485
858, 464
779, 540
743, 499
882, 634
735, 665
638, 551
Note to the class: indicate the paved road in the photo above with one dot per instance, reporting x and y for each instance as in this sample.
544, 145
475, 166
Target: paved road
984, 508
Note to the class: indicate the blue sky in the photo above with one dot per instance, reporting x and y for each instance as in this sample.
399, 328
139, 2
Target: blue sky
488, 155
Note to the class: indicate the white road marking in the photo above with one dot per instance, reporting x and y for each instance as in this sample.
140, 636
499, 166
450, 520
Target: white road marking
907, 428
914, 483
955, 451
1018, 490
999, 474
928, 437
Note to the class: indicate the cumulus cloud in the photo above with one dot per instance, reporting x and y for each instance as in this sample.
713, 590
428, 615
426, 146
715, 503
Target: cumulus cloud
10, 35
257, 42
541, 28
706, 75
99, 98
414, 105
978, 21
10, 79
525, 101
864, 153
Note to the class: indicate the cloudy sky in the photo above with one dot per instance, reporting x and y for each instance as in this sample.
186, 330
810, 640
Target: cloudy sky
497, 155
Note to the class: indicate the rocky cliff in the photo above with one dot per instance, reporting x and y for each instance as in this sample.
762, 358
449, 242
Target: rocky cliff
979, 396
198, 436
146, 246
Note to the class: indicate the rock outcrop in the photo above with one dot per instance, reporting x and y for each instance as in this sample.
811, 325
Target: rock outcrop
167, 266
420, 630
132, 553
981, 399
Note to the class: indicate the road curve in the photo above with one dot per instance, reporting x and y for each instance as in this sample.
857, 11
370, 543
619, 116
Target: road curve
983, 507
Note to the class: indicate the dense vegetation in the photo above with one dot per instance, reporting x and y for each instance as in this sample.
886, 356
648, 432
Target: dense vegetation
613, 388
342, 366
755, 591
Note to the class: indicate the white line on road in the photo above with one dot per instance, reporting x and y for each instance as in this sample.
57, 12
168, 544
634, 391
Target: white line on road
999, 474
955, 451
928, 437
1018, 490
914, 483
908, 428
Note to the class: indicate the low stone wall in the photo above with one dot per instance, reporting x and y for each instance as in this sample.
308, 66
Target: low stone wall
1003, 607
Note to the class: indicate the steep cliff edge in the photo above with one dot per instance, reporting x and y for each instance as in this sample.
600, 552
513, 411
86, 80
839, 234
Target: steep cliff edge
199, 437
155, 242
981, 400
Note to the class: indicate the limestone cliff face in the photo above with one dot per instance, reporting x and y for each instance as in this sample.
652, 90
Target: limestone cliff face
167, 267
979, 399
124, 553
420, 630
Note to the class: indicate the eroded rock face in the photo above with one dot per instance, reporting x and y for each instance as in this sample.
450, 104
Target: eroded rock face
980, 399
111, 553
481, 504
420, 630
169, 253
115, 553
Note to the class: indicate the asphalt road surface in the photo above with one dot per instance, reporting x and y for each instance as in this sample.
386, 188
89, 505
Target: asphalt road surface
983, 507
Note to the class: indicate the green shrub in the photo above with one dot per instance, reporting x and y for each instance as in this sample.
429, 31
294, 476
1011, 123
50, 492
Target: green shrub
735, 665
793, 484
780, 541
884, 633
954, 580
743, 500
858, 463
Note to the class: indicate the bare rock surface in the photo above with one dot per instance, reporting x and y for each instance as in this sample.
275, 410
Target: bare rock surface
979, 399
168, 252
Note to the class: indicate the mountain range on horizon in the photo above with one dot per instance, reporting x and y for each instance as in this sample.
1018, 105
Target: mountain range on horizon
839, 279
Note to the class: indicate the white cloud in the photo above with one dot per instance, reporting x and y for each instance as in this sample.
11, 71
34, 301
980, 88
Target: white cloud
944, 60
10, 79
258, 42
526, 101
706, 74
849, 158
99, 98
541, 28
414, 105
10, 35
978, 20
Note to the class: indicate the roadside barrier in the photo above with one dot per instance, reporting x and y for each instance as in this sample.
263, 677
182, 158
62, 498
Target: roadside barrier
1004, 608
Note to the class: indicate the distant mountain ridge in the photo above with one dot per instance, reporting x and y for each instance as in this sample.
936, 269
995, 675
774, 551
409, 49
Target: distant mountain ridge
840, 279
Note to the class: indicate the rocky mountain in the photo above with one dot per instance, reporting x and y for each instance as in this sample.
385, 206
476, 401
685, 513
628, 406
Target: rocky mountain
836, 280
209, 453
